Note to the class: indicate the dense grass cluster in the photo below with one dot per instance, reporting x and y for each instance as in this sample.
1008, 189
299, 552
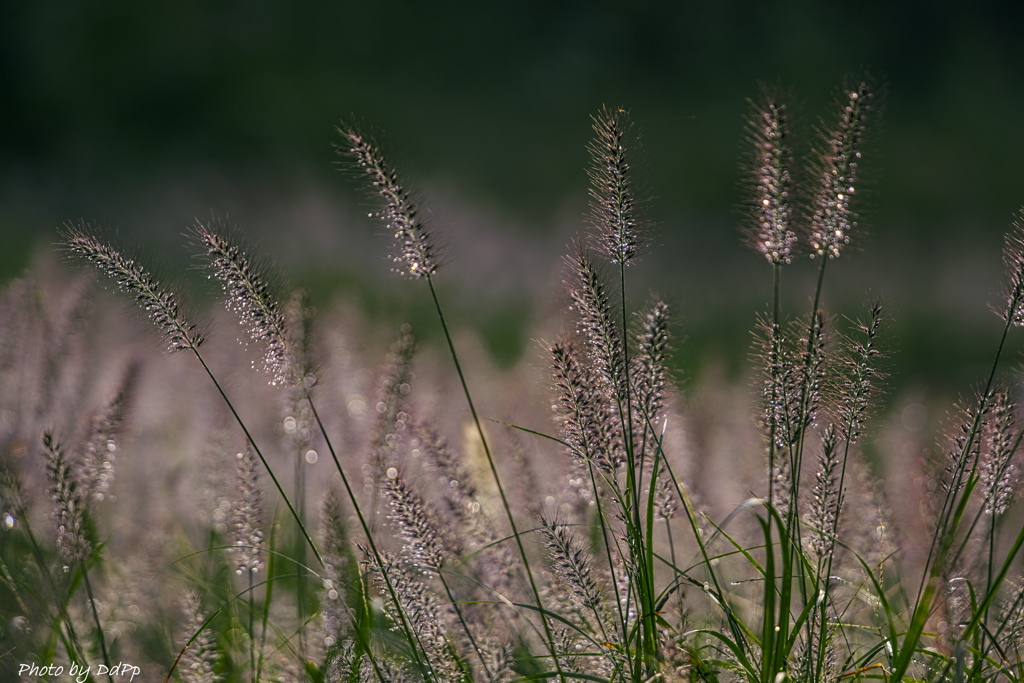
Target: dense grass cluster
337, 514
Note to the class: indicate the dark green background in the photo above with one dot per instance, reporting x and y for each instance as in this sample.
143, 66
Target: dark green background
143, 116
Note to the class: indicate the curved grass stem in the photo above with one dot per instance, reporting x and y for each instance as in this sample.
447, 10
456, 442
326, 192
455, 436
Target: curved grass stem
497, 478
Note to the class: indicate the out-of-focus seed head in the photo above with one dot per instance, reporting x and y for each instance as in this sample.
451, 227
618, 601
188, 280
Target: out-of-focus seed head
100, 448
199, 659
997, 468
69, 505
426, 544
248, 521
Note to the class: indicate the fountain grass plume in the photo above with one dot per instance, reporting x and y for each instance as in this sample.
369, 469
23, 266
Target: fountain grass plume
618, 231
839, 157
161, 305
638, 585
1012, 310
417, 258
585, 417
770, 178
597, 324
248, 296
163, 309
415, 252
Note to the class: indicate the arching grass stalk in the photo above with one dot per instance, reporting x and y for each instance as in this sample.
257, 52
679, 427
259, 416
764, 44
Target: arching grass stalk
413, 639
255, 447
249, 296
162, 307
618, 233
416, 257
180, 334
964, 476
497, 478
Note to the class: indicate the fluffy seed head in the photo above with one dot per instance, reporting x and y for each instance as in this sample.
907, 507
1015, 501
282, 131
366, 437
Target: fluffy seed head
666, 498
826, 505
199, 659
425, 543
428, 618
996, 467
613, 204
415, 253
794, 370
833, 216
387, 439
160, 305
585, 416
248, 296
1013, 258
596, 324
962, 444
573, 563
859, 384
649, 373
334, 615
771, 180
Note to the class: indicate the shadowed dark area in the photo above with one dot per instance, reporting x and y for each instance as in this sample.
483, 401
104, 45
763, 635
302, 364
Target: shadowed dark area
146, 117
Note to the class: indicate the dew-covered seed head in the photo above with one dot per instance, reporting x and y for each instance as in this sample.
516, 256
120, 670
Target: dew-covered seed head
833, 217
770, 180
159, 304
415, 254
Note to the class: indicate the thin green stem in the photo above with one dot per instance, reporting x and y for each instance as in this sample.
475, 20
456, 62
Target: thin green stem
462, 621
378, 558
96, 618
497, 478
256, 448
607, 546
300, 554
796, 458
252, 629
776, 333
268, 597
961, 461
71, 641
